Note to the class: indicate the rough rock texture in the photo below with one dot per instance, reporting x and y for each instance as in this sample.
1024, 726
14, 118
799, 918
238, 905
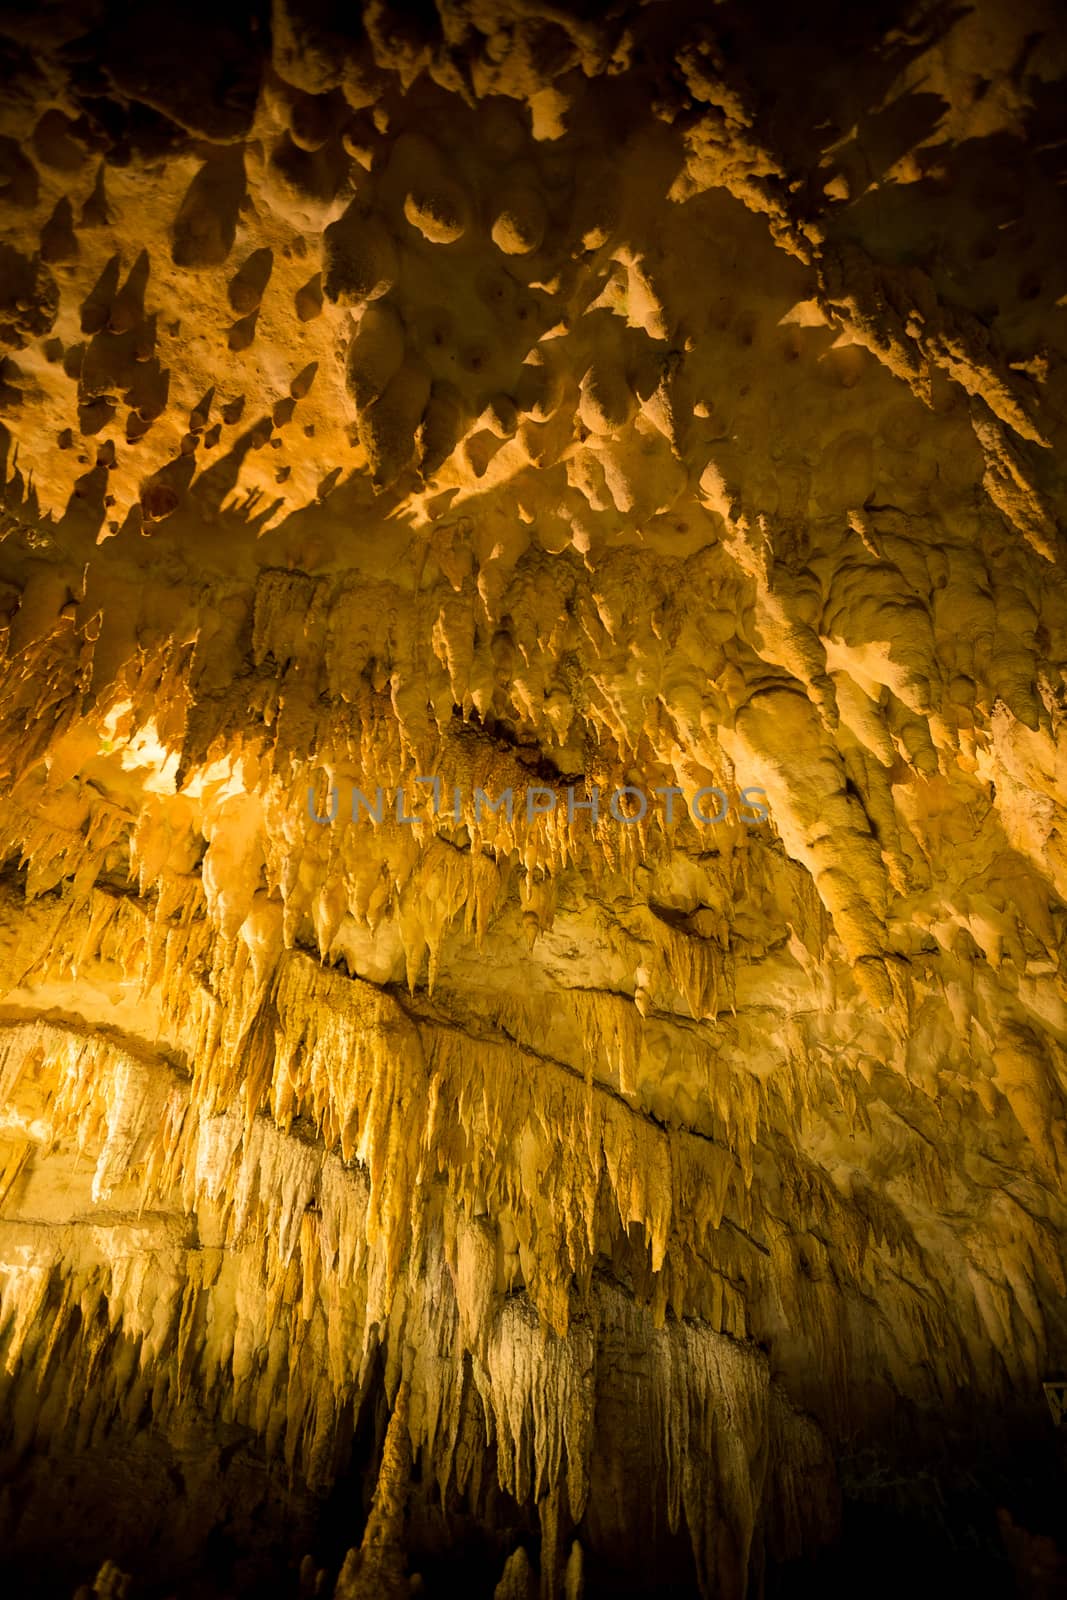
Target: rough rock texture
532, 398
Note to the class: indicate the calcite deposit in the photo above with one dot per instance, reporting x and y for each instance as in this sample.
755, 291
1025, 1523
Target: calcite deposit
440, 1152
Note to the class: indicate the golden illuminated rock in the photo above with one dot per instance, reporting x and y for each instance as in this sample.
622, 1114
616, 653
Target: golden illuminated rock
533, 1035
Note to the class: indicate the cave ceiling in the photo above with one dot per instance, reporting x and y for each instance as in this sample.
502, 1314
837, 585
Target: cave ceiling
532, 665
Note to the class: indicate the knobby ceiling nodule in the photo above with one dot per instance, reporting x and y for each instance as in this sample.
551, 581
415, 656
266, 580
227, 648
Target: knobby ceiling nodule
630, 1159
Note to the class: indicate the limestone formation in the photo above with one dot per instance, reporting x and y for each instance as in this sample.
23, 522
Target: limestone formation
533, 861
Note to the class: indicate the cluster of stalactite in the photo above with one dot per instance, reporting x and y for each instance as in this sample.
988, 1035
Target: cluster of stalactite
468, 403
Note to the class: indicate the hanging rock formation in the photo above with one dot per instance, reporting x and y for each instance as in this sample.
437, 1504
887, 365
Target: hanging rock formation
533, 881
